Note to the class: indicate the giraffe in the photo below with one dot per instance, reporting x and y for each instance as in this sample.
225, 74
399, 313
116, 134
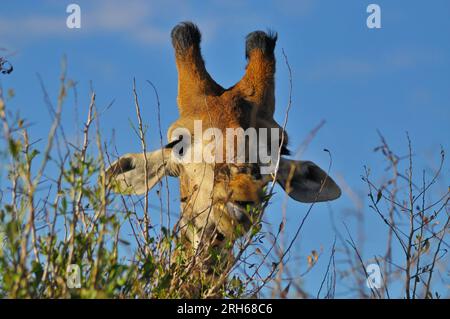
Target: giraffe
217, 197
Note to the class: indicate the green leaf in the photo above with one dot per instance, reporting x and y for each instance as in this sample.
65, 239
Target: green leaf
37, 269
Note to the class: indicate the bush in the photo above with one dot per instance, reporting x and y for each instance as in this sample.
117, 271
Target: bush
57, 216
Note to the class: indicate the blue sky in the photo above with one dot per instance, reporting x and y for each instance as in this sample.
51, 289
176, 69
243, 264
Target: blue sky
395, 79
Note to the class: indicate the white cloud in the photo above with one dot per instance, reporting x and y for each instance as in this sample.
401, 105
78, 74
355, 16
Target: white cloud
143, 22
130, 18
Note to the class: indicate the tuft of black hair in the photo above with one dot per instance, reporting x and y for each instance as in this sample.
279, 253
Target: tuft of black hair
260, 40
184, 35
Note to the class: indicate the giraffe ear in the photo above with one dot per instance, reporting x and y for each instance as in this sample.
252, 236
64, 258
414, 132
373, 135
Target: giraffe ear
306, 182
127, 174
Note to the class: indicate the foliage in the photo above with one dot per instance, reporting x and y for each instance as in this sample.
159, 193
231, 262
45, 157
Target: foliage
56, 211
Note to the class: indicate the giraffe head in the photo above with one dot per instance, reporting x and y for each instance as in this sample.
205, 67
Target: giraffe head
224, 146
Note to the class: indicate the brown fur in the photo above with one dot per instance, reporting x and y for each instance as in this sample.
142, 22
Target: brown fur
215, 196
249, 103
